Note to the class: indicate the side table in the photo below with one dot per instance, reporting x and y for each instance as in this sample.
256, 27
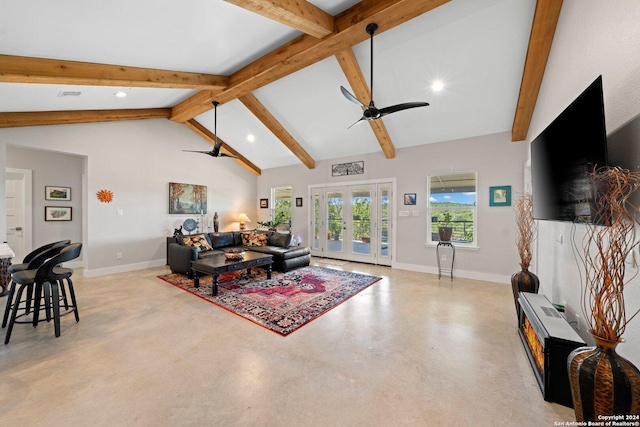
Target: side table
6, 255
445, 246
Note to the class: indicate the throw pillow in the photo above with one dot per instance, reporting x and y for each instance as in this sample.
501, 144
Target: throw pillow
279, 239
254, 239
219, 240
198, 241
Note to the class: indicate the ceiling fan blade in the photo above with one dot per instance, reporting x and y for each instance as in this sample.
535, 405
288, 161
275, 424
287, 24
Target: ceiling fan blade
362, 119
400, 107
228, 155
351, 98
195, 151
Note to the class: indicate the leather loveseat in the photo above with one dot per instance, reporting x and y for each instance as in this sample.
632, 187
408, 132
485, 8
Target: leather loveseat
287, 255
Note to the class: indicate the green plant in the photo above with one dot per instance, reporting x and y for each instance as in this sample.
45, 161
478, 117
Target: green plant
269, 224
446, 219
280, 218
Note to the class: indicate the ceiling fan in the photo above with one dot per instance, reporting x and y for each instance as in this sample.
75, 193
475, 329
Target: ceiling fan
216, 146
371, 112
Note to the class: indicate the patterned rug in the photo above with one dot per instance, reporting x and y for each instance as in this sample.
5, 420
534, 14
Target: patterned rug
284, 303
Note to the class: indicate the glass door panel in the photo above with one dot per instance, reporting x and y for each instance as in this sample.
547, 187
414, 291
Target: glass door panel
361, 222
316, 223
384, 215
335, 221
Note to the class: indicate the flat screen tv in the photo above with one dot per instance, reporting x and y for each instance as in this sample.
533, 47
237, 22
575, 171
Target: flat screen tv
564, 154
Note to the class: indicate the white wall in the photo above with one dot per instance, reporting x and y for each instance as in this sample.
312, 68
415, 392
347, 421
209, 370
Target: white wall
592, 38
137, 160
497, 160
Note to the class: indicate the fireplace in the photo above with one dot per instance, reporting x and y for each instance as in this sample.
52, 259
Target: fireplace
547, 339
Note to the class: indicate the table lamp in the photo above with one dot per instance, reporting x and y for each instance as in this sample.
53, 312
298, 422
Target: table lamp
243, 218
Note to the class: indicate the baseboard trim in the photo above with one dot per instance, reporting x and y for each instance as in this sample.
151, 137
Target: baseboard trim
123, 268
487, 277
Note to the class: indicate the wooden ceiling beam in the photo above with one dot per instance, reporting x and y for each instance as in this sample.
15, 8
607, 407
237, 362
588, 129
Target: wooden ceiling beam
306, 50
21, 69
298, 14
352, 71
43, 118
543, 29
260, 111
195, 126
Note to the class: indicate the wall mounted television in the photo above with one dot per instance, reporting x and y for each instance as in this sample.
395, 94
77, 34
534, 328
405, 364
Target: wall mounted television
564, 154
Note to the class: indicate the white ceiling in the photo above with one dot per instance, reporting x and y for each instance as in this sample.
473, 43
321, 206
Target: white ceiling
477, 47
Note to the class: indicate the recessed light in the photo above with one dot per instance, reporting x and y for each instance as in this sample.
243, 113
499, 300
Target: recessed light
437, 85
251, 138
120, 94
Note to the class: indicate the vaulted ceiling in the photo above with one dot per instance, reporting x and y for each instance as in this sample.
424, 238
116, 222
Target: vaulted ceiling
275, 67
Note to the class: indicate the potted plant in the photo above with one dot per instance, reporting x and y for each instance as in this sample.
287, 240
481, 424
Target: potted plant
274, 223
365, 238
270, 225
526, 231
445, 230
603, 382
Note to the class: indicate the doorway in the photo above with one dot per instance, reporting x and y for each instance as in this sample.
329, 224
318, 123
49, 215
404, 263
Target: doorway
353, 222
18, 196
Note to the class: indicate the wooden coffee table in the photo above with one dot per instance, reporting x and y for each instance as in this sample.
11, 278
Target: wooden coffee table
218, 264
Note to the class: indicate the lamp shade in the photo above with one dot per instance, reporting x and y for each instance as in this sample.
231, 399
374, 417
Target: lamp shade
243, 218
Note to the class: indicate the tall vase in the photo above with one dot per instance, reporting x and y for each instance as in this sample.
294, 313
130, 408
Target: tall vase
524, 281
603, 382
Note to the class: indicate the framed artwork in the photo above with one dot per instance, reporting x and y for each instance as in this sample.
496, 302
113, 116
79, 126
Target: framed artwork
500, 196
187, 198
264, 203
409, 198
342, 169
57, 213
299, 202
57, 193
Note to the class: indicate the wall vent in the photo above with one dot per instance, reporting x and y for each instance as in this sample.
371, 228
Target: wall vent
64, 93
550, 312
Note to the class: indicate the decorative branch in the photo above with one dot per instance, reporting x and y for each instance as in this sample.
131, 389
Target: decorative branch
606, 248
526, 229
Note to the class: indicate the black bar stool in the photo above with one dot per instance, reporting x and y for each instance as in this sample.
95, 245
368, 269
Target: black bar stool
23, 279
26, 262
53, 277
47, 279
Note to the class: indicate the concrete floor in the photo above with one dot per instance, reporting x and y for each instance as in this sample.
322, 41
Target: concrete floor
411, 350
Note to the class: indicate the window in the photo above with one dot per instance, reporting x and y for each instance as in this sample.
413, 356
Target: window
452, 202
281, 211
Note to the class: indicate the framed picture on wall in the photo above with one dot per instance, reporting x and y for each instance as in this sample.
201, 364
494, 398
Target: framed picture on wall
299, 202
57, 193
57, 213
410, 199
500, 196
264, 203
187, 198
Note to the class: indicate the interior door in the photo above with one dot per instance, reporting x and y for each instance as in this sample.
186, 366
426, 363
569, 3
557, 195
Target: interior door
14, 202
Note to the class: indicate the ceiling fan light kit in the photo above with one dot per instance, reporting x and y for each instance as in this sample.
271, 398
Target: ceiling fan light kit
370, 111
217, 145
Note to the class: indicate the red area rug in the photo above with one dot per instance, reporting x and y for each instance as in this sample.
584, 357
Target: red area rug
284, 303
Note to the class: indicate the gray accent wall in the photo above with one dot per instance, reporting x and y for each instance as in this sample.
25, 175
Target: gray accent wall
51, 169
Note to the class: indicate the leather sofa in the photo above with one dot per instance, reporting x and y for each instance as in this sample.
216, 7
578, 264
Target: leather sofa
287, 255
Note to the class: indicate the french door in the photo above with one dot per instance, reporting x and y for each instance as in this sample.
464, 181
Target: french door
352, 222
